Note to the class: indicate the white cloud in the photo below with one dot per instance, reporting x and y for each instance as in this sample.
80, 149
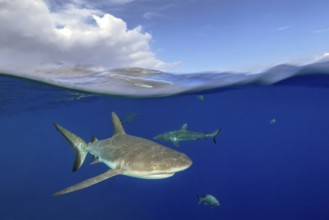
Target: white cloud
158, 13
283, 28
322, 57
320, 31
120, 1
31, 34
107, 2
150, 15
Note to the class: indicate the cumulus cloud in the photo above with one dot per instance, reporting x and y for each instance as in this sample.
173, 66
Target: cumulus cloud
32, 34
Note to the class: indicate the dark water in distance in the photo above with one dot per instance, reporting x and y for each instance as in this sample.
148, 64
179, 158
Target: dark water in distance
257, 170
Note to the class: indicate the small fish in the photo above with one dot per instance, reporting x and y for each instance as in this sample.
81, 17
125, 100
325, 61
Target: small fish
185, 135
208, 200
273, 121
200, 97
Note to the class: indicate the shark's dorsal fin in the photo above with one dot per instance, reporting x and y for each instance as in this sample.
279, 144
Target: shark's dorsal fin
93, 139
184, 127
118, 129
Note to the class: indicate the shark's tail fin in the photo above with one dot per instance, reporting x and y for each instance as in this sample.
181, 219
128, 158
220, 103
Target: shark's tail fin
78, 145
214, 135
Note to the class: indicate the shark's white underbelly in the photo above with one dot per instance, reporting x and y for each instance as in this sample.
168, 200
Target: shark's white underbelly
143, 175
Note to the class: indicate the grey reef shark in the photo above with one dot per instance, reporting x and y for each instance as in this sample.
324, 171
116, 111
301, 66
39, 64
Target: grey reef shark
124, 154
185, 135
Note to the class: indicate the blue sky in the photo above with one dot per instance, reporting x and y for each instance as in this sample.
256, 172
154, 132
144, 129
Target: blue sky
238, 34
180, 36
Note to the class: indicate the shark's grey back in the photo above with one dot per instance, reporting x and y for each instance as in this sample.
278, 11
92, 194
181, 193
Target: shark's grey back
139, 154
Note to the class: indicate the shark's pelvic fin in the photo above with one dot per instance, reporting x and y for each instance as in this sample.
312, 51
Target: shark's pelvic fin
78, 145
118, 129
89, 182
95, 162
184, 127
93, 139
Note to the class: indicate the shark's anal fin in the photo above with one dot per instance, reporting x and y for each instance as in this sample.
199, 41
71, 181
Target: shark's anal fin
89, 182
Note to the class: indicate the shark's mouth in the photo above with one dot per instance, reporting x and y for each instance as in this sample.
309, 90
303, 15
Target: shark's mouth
162, 174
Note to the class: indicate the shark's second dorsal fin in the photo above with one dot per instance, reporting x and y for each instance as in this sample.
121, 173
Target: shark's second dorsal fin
93, 139
118, 129
184, 127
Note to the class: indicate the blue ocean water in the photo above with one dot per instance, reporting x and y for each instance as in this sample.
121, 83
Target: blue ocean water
260, 168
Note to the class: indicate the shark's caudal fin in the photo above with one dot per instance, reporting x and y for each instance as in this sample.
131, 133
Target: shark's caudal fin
78, 145
89, 182
118, 129
214, 135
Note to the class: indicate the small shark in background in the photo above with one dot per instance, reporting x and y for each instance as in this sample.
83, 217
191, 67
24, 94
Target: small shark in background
185, 135
124, 154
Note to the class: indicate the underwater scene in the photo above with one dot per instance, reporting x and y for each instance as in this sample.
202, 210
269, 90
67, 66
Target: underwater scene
260, 151
96, 125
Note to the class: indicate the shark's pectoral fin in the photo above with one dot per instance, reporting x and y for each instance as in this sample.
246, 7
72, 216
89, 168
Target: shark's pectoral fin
89, 182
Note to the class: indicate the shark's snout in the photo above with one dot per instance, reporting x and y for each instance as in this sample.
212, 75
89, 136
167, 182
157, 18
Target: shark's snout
171, 165
184, 162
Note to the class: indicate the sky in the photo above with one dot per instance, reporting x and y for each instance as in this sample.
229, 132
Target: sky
175, 36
